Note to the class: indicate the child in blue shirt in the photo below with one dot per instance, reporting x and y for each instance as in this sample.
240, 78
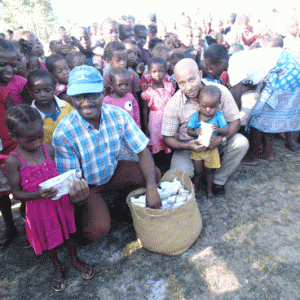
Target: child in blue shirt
209, 100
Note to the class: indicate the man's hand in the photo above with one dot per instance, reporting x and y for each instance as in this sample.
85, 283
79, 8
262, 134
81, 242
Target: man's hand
79, 191
153, 199
196, 146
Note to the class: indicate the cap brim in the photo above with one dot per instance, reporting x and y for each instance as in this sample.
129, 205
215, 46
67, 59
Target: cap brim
84, 88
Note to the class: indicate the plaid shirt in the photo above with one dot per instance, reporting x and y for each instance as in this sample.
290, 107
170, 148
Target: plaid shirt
179, 110
78, 145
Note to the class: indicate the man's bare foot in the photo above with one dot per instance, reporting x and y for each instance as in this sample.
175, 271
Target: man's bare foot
210, 196
86, 270
249, 161
268, 157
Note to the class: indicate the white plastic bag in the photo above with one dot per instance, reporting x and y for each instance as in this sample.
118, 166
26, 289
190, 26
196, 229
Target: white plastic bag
61, 182
206, 134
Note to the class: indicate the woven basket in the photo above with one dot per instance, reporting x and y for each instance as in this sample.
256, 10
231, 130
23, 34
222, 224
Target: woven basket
167, 231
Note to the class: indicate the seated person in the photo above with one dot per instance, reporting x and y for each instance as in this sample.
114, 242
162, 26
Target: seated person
89, 140
177, 113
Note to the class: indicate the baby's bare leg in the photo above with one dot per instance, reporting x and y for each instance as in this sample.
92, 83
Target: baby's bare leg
198, 165
210, 179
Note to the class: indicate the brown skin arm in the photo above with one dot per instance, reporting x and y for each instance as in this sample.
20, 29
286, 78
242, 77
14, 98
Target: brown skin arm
192, 132
79, 190
147, 166
13, 165
176, 144
236, 92
216, 141
146, 117
222, 131
8, 103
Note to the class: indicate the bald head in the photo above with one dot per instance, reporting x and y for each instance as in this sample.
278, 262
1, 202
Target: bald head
183, 65
188, 77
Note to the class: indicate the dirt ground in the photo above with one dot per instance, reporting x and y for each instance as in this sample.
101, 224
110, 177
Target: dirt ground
248, 249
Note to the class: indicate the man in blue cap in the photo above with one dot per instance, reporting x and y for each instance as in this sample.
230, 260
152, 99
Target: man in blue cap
89, 140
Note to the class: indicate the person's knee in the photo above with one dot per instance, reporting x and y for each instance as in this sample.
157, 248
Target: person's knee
181, 161
240, 142
96, 232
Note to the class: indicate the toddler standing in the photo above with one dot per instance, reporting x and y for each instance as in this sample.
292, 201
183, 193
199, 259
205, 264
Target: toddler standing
49, 223
209, 101
115, 54
156, 97
121, 97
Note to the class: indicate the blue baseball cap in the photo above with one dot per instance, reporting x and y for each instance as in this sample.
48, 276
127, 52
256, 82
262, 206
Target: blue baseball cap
84, 80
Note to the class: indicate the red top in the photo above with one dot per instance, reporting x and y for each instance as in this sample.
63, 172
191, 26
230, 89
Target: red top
8, 144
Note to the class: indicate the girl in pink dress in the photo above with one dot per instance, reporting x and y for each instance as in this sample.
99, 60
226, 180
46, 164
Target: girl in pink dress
49, 223
156, 97
121, 97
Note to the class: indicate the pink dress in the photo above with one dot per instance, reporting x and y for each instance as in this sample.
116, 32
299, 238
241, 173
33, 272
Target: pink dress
128, 103
157, 101
48, 222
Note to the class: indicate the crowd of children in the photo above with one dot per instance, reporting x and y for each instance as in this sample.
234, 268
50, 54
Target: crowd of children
137, 64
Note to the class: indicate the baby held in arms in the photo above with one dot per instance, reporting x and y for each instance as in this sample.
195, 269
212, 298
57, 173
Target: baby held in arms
209, 100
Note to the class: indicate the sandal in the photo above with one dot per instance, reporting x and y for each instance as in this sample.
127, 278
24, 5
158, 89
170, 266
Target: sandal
58, 285
88, 272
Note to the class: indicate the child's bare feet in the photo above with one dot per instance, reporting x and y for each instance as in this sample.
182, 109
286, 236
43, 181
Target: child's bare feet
58, 283
86, 270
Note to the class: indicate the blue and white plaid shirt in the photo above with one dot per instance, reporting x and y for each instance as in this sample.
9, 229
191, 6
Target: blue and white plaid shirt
78, 145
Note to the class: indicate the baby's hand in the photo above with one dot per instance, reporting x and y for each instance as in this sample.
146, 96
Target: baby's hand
199, 131
144, 86
49, 193
140, 69
214, 127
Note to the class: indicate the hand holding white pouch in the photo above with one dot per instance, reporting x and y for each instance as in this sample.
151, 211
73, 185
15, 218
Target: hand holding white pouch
61, 182
206, 134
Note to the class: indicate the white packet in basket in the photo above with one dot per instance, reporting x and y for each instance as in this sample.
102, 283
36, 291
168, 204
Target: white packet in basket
204, 139
61, 182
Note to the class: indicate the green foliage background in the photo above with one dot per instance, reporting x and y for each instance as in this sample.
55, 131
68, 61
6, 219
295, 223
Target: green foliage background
34, 15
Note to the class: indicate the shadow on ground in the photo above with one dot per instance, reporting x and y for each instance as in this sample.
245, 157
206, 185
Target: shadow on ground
248, 249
